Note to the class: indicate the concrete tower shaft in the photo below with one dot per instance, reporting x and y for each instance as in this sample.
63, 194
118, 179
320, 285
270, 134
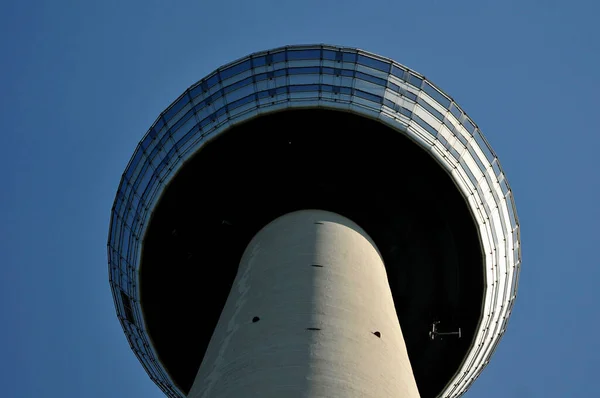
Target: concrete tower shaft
310, 314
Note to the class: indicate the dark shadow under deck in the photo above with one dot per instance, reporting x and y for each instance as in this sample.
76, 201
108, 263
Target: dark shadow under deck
318, 159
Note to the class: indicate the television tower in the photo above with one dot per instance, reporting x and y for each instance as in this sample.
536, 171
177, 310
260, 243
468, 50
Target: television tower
314, 221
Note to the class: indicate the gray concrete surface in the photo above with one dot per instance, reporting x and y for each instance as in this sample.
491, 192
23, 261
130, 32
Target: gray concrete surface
303, 317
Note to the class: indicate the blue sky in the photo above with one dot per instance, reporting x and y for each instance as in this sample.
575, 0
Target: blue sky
81, 81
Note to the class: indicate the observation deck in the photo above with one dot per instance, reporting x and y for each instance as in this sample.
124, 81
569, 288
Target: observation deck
322, 127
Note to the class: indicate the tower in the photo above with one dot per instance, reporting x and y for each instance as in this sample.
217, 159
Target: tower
314, 221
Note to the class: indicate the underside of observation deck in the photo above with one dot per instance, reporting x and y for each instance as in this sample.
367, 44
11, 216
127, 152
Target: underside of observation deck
313, 159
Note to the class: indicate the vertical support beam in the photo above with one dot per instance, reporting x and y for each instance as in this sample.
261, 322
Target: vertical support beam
310, 314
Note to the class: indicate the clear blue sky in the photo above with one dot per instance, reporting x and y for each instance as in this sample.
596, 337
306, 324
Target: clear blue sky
81, 81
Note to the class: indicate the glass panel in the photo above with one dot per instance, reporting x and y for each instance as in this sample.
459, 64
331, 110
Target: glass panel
170, 155
305, 70
219, 102
125, 187
330, 55
430, 109
328, 79
369, 96
496, 167
237, 85
370, 78
242, 92
143, 177
281, 81
241, 101
455, 111
457, 134
220, 112
487, 210
511, 212
148, 140
127, 307
410, 95
259, 61
235, 69
114, 228
483, 145
442, 140
260, 77
183, 129
469, 125
374, 63
148, 187
199, 89
465, 168
278, 57
504, 187
280, 72
414, 80
436, 95
114, 270
212, 81
454, 153
497, 201
187, 136
159, 124
183, 101
393, 87
448, 123
136, 159
303, 79
389, 104
462, 139
349, 57
516, 232
406, 112
304, 54
425, 125
475, 157
369, 87
157, 149
398, 72
304, 87
200, 108
346, 81
213, 98
206, 121
181, 121
161, 166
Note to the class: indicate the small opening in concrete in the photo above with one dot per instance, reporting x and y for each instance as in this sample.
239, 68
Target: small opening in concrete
318, 222
316, 265
255, 319
377, 334
313, 328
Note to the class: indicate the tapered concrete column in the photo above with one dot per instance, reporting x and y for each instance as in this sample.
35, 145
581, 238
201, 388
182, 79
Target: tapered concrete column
310, 314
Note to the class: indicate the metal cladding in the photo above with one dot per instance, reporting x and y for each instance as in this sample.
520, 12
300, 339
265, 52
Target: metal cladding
324, 77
